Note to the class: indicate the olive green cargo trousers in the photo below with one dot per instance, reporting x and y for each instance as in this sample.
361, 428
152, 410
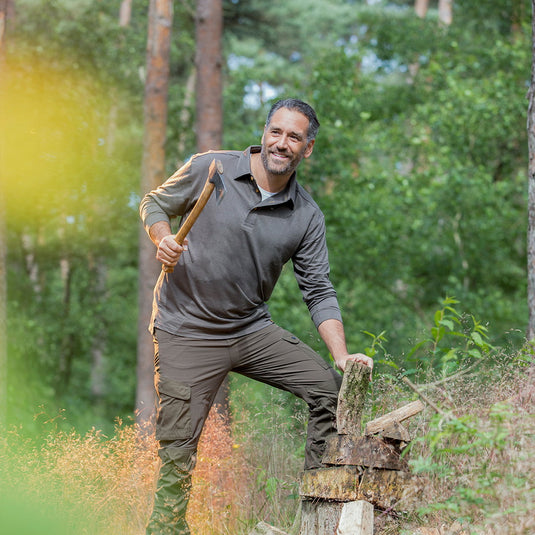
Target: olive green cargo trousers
188, 374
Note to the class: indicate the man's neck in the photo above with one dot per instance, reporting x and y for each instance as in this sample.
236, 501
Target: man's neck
267, 181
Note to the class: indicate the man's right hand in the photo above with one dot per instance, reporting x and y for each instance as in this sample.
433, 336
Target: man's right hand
169, 250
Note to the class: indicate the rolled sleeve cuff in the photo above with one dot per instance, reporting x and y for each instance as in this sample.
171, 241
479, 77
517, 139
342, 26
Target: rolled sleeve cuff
328, 309
156, 217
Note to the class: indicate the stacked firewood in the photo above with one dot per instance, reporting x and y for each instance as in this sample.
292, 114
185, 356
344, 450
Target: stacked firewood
363, 470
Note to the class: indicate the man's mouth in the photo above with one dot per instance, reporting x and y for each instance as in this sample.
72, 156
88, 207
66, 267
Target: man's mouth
279, 156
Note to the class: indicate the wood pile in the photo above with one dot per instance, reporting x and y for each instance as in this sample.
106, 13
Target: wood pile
367, 468
363, 470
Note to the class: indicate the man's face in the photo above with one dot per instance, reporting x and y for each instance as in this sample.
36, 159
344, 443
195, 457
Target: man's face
284, 143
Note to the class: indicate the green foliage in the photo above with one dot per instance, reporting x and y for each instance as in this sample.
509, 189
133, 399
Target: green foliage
419, 167
455, 340
489, 440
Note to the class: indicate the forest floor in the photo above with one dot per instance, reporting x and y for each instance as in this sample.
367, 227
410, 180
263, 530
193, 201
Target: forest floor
479, 465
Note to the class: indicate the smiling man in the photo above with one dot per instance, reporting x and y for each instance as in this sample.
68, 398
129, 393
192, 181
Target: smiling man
210, 315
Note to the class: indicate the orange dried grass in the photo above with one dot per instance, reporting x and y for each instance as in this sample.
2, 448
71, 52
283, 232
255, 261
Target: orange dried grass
221, 481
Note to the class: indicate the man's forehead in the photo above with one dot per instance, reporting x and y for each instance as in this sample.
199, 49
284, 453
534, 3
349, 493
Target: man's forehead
289, 118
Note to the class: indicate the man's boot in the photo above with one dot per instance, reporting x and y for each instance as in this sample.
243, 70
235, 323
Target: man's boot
172, 492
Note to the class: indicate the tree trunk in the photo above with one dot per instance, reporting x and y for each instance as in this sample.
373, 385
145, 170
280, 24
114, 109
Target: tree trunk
125, 13
98, 361
421, 7
209, 104
445, 11
153, 171
209, 30
66, 353
531, 190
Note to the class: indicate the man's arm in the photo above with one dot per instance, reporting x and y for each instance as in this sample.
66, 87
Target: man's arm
332, 333
169, 250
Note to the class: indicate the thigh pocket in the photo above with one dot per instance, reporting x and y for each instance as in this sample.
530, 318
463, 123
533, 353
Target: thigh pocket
299, 344
174, 415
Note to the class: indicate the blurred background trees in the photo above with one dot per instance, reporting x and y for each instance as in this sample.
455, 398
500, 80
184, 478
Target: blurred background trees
420, 168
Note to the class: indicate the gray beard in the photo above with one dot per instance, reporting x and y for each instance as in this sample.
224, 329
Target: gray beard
290, 168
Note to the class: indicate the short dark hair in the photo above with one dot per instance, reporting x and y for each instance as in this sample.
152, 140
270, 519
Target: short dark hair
302, 107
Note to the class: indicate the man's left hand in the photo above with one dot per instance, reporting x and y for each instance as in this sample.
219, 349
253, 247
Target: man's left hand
357, 357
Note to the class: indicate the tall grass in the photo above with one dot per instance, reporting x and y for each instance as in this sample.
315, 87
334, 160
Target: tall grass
477, 457
93, 484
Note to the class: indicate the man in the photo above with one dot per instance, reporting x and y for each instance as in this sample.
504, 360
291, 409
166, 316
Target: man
210, 314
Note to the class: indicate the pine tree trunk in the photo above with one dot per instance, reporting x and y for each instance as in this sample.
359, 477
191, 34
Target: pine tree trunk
531, 191
421, 7
445, 12
153, 172
209, 30
209, 104
125, 13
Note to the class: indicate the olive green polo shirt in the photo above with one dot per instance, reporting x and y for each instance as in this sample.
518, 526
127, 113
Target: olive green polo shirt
236, 251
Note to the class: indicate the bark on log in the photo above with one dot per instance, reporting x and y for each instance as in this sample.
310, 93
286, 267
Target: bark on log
334, 483
320, 517
390, 489
351, 398
399, 415
386, 489
369, 452
395, 431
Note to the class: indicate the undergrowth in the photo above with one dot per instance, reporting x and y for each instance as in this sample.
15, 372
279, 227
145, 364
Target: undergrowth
476, 455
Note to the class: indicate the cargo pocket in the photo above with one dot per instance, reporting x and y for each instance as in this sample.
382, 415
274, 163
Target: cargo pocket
174, 417
292, 339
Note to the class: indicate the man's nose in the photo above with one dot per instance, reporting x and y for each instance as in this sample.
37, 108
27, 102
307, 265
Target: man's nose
282, 142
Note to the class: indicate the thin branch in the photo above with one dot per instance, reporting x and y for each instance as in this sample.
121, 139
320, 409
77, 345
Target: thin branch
432, 404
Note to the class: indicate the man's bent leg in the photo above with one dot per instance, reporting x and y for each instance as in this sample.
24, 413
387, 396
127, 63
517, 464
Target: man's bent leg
277, 357
172, 492
321, 424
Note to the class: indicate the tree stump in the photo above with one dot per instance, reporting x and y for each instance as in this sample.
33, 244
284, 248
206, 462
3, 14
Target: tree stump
361, 471
324, 491
337, 518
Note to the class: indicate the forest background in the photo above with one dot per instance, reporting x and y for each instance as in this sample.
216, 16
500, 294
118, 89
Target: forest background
421, 170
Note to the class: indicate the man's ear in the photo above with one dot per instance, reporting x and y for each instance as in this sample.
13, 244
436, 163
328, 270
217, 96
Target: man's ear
309, 148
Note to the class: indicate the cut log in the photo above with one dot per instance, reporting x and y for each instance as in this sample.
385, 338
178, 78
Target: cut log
395, 431
334, 518
390, 489
356, 519
399, 415
370, 452
334, 483
351, 398
320, 517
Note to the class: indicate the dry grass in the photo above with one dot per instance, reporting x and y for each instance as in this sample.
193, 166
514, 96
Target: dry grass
480, 467
479, 460
82, 484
